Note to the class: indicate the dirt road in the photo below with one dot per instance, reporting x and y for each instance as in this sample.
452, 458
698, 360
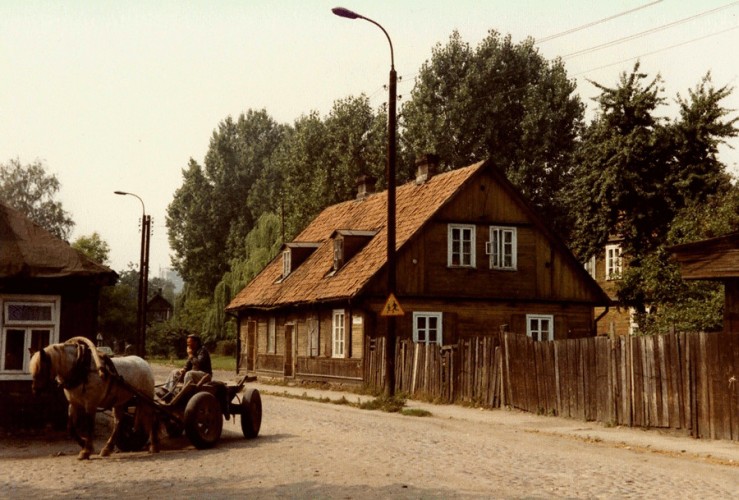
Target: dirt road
316, 450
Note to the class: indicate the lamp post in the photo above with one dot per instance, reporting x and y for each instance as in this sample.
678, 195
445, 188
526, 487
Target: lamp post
143, 277
390, 179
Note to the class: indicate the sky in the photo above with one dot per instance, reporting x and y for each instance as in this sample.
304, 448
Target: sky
120, 95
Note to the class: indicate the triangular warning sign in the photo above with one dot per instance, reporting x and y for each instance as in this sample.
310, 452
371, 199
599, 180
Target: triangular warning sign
392, 307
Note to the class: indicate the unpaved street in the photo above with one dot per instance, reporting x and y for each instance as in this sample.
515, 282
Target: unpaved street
319, 450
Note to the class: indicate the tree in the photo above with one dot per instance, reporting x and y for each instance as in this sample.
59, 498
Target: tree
619, 185
216, 206
321, 159
501, 101
30, 190
654, 183
703, 125
94, 247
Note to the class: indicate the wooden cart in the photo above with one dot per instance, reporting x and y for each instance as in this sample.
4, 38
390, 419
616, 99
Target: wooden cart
197, 410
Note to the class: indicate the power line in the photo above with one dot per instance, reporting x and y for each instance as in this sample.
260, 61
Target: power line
647, 32
594, 23
657, 51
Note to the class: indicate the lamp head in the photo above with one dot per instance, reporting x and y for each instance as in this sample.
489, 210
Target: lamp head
342, 12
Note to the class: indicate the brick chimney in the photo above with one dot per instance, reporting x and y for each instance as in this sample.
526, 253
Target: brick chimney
365, 186
427, 165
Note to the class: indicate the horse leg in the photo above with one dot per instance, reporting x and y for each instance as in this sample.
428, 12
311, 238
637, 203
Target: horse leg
88, 430
72, 418
110, 444
153, 432
146, 418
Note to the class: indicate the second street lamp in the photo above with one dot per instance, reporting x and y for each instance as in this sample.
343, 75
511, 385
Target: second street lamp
390, 179
143, 278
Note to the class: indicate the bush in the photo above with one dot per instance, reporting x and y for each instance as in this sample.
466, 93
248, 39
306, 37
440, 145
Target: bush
225, 348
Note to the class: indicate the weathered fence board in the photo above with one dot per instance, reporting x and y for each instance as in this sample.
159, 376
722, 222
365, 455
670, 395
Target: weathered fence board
680, 381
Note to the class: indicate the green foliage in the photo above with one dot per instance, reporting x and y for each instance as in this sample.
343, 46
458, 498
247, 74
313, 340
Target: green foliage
678, 305
501, 101
118, 306
94, 247
31, 190
656, 183
619, 185
216, 207
390, 404
261, 246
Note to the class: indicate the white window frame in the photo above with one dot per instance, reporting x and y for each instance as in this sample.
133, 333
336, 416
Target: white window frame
461, 235
338, 333
421, 327
501, 250
614, 262
589, 266
286, 263
272, 335
537, 331
28, 326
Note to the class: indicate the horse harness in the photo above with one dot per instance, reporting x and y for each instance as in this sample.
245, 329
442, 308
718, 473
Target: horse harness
81, 368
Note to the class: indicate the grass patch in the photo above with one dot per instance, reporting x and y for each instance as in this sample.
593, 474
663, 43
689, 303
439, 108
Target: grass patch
217, 362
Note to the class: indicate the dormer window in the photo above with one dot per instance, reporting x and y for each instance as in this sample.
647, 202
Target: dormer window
294, 254
347, 244
286, 263
338, 253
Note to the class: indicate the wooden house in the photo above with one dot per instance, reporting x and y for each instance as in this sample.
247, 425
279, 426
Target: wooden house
48, 293
715, 259
472, 259
158, 309
606, 268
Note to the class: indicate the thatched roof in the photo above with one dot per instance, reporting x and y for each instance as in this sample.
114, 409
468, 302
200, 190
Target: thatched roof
29, 251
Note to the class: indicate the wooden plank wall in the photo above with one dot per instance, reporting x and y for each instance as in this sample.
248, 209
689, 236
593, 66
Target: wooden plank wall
685, 381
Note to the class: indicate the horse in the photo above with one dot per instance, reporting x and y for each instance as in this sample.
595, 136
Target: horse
91, 381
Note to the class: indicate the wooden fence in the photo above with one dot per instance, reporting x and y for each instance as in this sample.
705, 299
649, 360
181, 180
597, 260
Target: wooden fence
679, 381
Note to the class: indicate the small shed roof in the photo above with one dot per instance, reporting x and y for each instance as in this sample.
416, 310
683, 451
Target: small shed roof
30, 251
711, 259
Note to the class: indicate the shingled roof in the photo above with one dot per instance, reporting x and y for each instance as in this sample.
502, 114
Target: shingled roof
29, 251
416, 204
312, 282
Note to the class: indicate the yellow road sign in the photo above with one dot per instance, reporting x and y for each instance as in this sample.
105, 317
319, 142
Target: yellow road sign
392, 307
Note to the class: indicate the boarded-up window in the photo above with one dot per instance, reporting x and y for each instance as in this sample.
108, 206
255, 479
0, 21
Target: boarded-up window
313, 337
272, 336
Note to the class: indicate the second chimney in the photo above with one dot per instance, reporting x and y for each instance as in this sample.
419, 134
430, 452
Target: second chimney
427, 166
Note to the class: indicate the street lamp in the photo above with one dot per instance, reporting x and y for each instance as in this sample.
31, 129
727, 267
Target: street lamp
143, 278
390, 179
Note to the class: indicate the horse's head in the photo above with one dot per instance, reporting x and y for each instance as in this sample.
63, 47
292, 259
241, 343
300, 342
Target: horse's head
41, 371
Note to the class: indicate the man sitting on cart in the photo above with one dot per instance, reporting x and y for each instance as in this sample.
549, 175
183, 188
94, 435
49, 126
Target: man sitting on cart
197, 366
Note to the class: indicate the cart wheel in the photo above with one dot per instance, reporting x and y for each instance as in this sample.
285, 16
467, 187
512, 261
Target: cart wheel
203, 420
251, 413
129, 439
